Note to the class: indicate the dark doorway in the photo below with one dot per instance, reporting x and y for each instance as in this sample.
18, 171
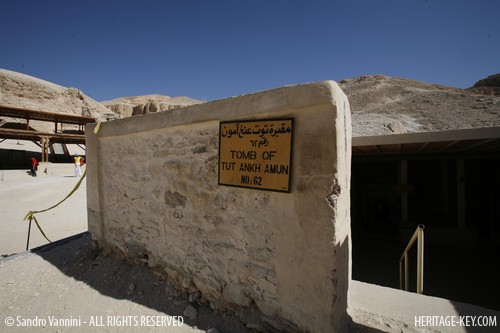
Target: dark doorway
457, 198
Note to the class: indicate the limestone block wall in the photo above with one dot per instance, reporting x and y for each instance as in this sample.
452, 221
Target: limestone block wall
153, 195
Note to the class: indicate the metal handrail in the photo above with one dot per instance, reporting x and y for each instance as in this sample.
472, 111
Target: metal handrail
418, 236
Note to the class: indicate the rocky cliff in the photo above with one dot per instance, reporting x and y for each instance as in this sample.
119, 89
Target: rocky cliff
137, 105
487, 86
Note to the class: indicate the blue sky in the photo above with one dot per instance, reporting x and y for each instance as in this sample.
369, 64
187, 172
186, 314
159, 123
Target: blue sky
216, 49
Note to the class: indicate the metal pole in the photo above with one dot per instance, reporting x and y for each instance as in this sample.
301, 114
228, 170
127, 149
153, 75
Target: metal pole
420, 260
407, 280
400, 274
418, 236
29, 232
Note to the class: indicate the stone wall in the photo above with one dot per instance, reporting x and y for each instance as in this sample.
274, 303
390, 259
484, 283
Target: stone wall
153, 195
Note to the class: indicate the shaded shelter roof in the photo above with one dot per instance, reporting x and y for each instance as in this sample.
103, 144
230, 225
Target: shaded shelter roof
17, 134
62, 118
12, 112
473, 141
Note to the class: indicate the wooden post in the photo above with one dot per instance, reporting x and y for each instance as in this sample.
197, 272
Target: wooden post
460, 193
42, 144
404, 194
45, 145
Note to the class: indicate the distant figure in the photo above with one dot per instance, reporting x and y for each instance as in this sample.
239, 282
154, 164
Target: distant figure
78, 166
34, 166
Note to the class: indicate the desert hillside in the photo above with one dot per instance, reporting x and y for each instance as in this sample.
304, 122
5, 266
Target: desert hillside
379, 104
24, 91
388, 105
487, 86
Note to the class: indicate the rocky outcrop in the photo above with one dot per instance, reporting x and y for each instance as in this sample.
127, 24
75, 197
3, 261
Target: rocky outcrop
487, 86
383, 105
138, 105
24, 91
379, 104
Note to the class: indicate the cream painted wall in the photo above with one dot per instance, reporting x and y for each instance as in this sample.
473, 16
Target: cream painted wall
153, 196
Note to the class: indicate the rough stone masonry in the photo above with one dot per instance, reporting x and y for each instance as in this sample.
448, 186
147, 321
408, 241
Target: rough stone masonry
153, 196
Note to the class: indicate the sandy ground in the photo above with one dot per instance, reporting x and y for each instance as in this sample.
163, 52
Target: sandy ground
24, 193
21, 193
68, 286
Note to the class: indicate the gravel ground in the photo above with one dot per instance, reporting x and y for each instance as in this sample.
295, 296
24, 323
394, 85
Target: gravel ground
71, 284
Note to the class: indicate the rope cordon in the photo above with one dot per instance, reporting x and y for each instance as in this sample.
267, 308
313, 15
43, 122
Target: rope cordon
31, 214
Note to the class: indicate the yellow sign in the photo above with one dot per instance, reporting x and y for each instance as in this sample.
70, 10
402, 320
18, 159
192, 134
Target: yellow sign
256, 154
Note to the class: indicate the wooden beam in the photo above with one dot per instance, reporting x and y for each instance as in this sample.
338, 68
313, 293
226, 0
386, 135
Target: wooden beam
16, 134
13, 112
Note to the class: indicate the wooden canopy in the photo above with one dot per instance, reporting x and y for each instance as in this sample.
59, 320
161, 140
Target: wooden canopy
45, 138
63, 118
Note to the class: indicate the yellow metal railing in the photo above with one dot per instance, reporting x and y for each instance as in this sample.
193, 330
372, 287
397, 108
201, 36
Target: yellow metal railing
418, 236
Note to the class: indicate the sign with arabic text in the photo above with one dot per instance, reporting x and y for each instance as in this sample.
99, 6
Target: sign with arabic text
256, 154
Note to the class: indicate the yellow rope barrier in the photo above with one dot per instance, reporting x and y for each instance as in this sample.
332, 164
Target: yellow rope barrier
96, 129
31, 214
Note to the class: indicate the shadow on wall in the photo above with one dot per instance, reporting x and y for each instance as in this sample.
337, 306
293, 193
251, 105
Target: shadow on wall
122, 280
119, 279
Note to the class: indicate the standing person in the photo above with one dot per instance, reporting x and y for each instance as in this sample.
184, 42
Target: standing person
34, 166
82, 163
78, 167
